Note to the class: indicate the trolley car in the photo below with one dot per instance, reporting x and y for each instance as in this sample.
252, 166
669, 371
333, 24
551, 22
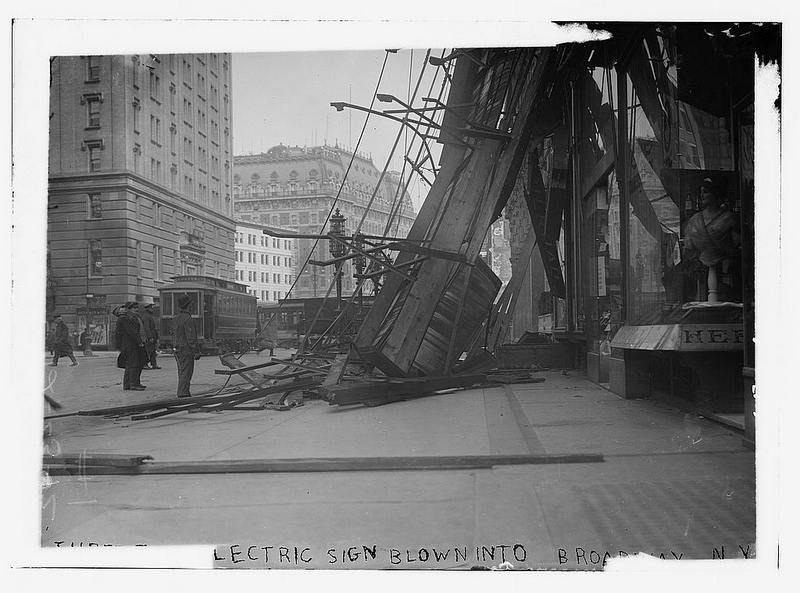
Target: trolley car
289, 322
224, 314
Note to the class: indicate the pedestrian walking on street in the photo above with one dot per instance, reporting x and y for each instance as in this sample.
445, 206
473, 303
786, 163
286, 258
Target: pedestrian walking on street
130, 342
62, 345
151, 334
187, 350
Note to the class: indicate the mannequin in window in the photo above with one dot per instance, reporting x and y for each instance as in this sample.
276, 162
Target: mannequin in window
712, 237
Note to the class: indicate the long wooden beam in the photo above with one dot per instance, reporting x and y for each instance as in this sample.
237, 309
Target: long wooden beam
322, 464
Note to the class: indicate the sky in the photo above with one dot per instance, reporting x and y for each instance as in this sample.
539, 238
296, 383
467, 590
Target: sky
285, 98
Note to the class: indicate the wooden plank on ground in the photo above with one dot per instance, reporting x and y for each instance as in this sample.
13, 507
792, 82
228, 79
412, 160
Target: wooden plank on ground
336, 371
331, 464
255, 379
394, 390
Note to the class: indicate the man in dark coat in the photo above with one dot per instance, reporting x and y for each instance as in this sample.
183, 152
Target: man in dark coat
187, 350
151, 335
62, 346
130, 342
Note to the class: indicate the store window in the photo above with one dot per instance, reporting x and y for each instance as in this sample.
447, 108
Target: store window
682, 217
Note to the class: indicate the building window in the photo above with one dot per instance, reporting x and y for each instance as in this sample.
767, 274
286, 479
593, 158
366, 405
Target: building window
155, 130
137, 107
136, 72
137, 158
155, 86
93, 115
95, 206
172, 98
173, 134
157, 262
93, 147
187, 112
95, 265
92, 102
173, 178
138, 259
92, 68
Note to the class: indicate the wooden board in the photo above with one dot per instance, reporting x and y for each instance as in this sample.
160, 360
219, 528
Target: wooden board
397, 389
330, 464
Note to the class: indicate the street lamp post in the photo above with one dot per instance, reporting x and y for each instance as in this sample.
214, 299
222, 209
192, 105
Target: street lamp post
360, 264
337, 250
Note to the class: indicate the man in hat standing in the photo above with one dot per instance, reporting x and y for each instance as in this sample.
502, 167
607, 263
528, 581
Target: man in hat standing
130, 340
151, 335
61, 344
184, 339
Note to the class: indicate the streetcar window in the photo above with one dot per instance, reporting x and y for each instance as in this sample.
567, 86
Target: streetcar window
193, 308
166, 303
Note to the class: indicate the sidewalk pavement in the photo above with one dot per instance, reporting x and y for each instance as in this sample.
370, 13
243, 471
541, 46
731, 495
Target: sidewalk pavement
670, 484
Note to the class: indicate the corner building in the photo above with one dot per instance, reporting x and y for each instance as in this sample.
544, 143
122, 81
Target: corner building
295, 188
140, 180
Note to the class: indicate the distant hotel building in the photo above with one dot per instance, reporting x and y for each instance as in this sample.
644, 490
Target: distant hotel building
295, 187
265, 264
140, 179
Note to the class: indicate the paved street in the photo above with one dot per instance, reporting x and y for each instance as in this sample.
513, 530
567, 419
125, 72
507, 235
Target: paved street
669, 483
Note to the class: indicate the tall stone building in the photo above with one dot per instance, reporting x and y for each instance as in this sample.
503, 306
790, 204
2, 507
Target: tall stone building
295, 188
140, 179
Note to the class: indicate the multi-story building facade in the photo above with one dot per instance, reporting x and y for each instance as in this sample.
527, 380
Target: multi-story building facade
140, 179
295, 188
266, 264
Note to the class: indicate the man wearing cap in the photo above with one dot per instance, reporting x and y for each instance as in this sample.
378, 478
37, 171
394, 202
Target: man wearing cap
130, 340
151, 336
61, 344
184, 339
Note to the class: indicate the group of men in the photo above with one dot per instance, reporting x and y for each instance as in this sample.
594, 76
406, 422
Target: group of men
137, 340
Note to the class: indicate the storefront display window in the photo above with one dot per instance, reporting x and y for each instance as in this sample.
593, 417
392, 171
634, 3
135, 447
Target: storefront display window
602, 274
682, 203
